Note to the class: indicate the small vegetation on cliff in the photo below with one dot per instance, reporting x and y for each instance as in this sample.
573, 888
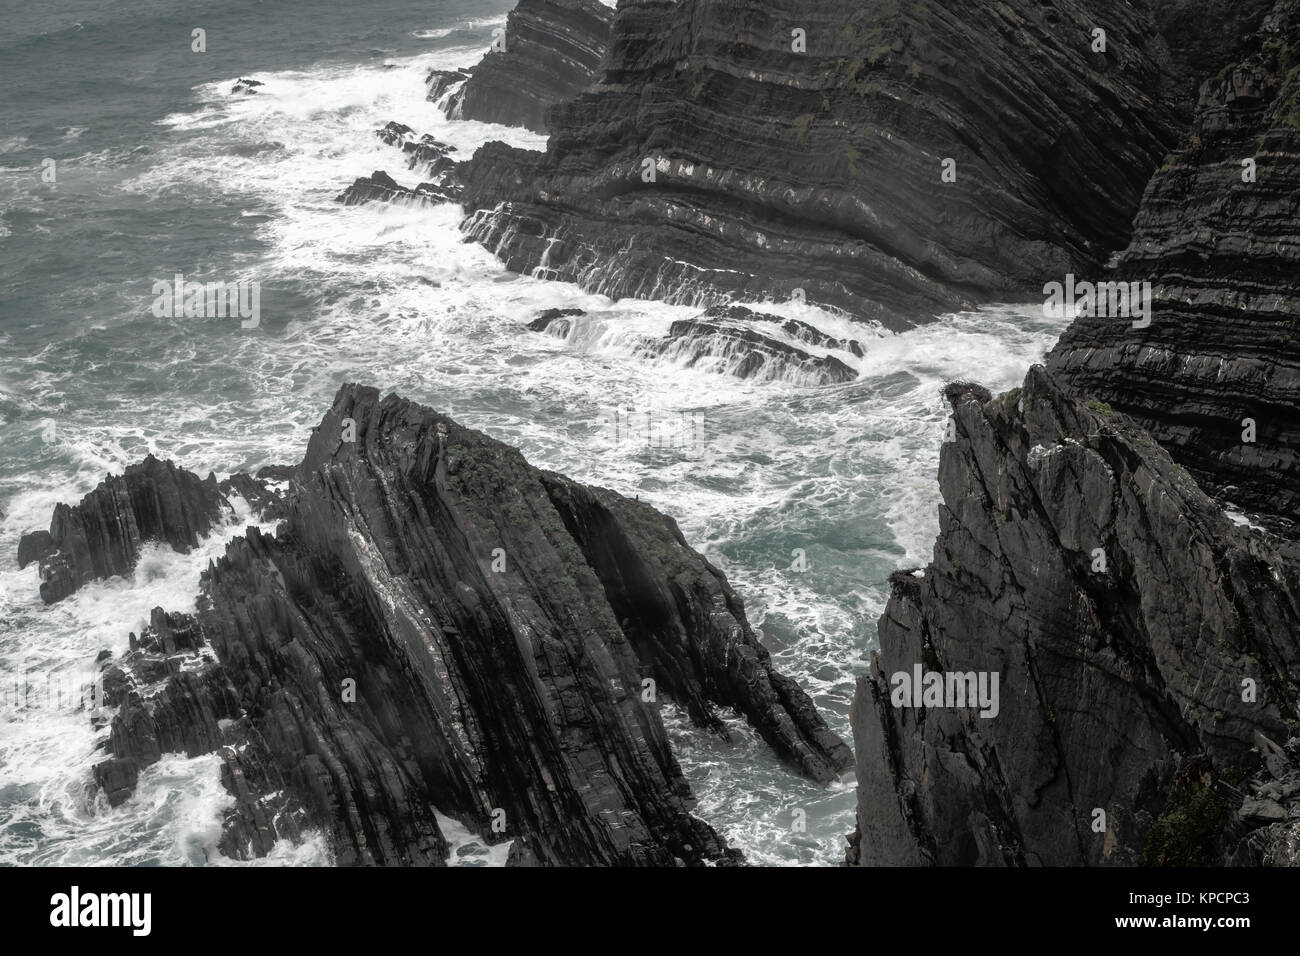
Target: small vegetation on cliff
801, 124
1185, 835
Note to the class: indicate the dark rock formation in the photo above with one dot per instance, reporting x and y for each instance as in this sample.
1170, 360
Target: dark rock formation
102, 536
246, 86
425, 153
1203, 35
794, 328
553, 51
1223, 258
822, 170
436, 623
555, 321
381, 187
1125, 616
441, 82
726, 340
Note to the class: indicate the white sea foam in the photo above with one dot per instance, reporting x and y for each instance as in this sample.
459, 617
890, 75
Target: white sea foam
477, 23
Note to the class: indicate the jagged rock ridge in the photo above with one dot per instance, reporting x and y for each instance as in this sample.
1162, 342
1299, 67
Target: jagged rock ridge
511, 636
1122, 612
1146, 642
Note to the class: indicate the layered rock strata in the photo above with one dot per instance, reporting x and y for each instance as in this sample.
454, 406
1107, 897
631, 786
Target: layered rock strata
552, 51
896, 160
1215, 377
436, 624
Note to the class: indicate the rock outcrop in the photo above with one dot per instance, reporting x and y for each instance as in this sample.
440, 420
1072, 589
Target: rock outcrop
1144, 649
733, 340
1215, 377
896, 160
381, 187
431, 156
441, 82
438, 624
553, 51
102, 536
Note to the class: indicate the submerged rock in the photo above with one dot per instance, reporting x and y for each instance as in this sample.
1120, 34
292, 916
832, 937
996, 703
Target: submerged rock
246, 86
745, 352
555, 321
438, 624
725, 339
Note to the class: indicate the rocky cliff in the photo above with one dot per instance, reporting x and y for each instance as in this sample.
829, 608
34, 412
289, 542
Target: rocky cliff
1215, 377
1144, 643
897, 159
552, 50
437, 624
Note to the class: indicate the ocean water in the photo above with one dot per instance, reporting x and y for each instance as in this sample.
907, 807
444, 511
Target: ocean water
160, 170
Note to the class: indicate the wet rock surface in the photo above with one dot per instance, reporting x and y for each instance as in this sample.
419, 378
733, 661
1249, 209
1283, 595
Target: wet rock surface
381, 187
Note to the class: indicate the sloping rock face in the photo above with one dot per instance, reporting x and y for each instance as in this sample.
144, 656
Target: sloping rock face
822, 168
1145, 649
553, 51
438, 624
1216, 375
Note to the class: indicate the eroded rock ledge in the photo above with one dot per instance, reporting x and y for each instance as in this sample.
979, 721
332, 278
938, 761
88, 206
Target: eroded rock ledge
437, 624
